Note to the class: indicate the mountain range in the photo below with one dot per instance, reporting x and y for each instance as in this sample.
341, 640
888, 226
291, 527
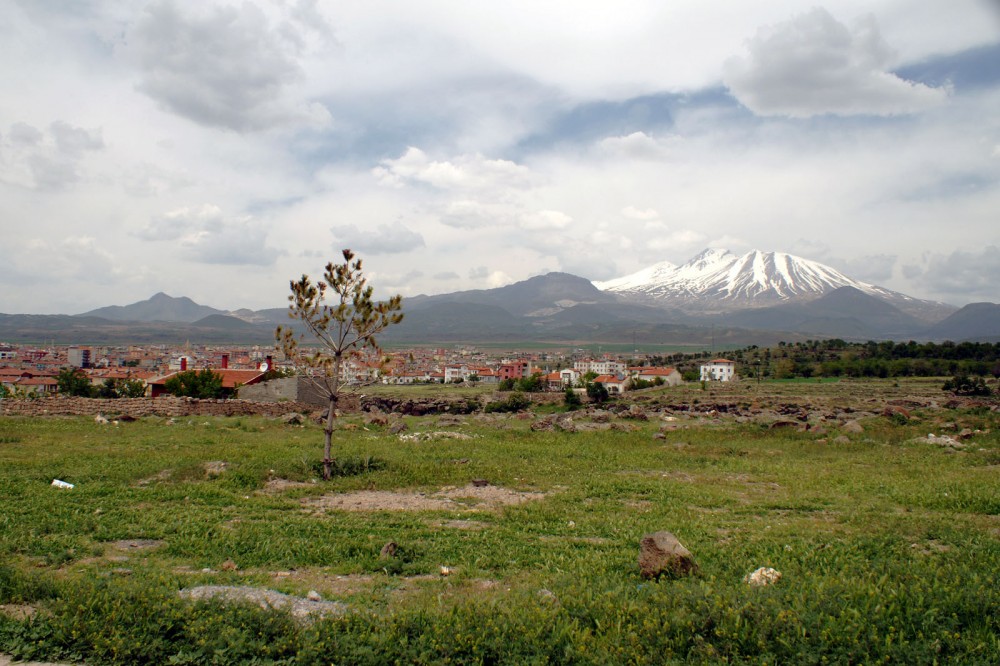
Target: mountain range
717, 296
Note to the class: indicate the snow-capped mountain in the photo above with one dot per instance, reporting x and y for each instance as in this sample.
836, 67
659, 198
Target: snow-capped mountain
717, 280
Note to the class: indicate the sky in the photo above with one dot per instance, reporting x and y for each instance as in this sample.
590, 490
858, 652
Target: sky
218, 150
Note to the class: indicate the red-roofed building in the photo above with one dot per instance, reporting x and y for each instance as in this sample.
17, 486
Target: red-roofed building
613, 383
669, 376
231, 380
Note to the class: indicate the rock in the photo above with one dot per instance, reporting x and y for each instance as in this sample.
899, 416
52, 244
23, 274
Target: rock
377, 419
783, 423
661, 553
566, 425
388, 551
636, 412
480, 483
229, 565
313, 595
659, 435
292, 418
965, 433
891, 411
397, 427
100, 420
841, 439
600, 416
762, 576
445, 571
852, 427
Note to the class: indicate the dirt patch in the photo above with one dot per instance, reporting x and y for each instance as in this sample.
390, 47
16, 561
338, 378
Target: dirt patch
136, 544
466, 498
18, 611
159, 477
276, 486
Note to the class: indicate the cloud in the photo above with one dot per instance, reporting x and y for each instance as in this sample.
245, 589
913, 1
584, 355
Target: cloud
174, 224
637, 145
447, 275
466, 172
471, 214
207, 235
633, 213
225, 67
545, 220
387, 239
814, 65
47, 160
966, 275
874, 268
75, 140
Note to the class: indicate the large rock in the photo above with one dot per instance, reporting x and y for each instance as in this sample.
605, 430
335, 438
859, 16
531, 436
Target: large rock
661, 553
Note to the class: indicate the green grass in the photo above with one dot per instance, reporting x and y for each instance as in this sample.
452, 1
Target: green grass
889, 549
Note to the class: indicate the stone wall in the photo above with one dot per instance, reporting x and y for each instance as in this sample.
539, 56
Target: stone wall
165, 406
294, 389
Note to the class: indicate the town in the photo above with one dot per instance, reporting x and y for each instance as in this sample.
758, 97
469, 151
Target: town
34, 371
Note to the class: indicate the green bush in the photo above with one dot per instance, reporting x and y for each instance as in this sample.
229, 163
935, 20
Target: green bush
515, 402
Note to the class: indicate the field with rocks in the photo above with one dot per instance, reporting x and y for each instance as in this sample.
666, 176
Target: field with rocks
799, 522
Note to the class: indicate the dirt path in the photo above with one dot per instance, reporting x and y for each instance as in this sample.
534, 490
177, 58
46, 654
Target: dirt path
7, 661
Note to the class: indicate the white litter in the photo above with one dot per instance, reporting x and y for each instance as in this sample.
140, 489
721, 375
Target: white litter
62, 484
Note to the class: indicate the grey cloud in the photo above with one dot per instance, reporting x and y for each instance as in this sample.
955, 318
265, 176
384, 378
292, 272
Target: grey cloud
814, 65
387, 239
447, 275
75, 140
176, 223
25, 134
237, 244
874, 268
479, 273
967, 275
50, 172
226, 68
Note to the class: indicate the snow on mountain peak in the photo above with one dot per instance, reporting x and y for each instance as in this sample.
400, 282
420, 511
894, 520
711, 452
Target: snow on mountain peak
718, 277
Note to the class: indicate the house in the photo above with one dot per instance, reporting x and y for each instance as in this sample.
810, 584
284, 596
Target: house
39, 385
569, 376
616, 384
719, 369
231, 380
513, 370
605, 367
667, 376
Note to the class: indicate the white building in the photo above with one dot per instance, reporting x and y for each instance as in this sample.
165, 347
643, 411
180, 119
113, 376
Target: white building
720, 370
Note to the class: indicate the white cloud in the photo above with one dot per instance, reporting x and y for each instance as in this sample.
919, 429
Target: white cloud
633, 213
814, 65
638, 145
545, 220
47, 160
466, 172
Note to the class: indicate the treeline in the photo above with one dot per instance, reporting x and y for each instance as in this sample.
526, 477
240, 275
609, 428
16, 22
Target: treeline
837, 358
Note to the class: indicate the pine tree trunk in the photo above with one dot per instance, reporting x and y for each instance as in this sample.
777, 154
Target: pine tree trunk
328, 439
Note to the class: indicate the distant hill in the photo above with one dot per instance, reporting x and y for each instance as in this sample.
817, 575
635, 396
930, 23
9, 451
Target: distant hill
846, 312
978, 322
556, 307
159, 307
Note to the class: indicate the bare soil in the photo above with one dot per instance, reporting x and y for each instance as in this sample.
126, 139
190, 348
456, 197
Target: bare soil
466, 498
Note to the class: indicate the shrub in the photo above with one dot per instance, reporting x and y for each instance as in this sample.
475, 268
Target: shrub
964, 385
515, 402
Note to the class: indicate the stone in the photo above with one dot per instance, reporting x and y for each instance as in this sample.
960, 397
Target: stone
480, 483
841, 439
292, 418
229, 565
762, 576
377, 418
661, 553
388, 551
397, 428
852, 427
313, 595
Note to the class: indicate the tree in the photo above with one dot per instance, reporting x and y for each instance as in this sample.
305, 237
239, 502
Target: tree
571, 399
75, 382
597, 392
343, 330
203, 384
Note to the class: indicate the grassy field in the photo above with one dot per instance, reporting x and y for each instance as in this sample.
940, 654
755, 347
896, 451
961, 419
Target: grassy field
889, 548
